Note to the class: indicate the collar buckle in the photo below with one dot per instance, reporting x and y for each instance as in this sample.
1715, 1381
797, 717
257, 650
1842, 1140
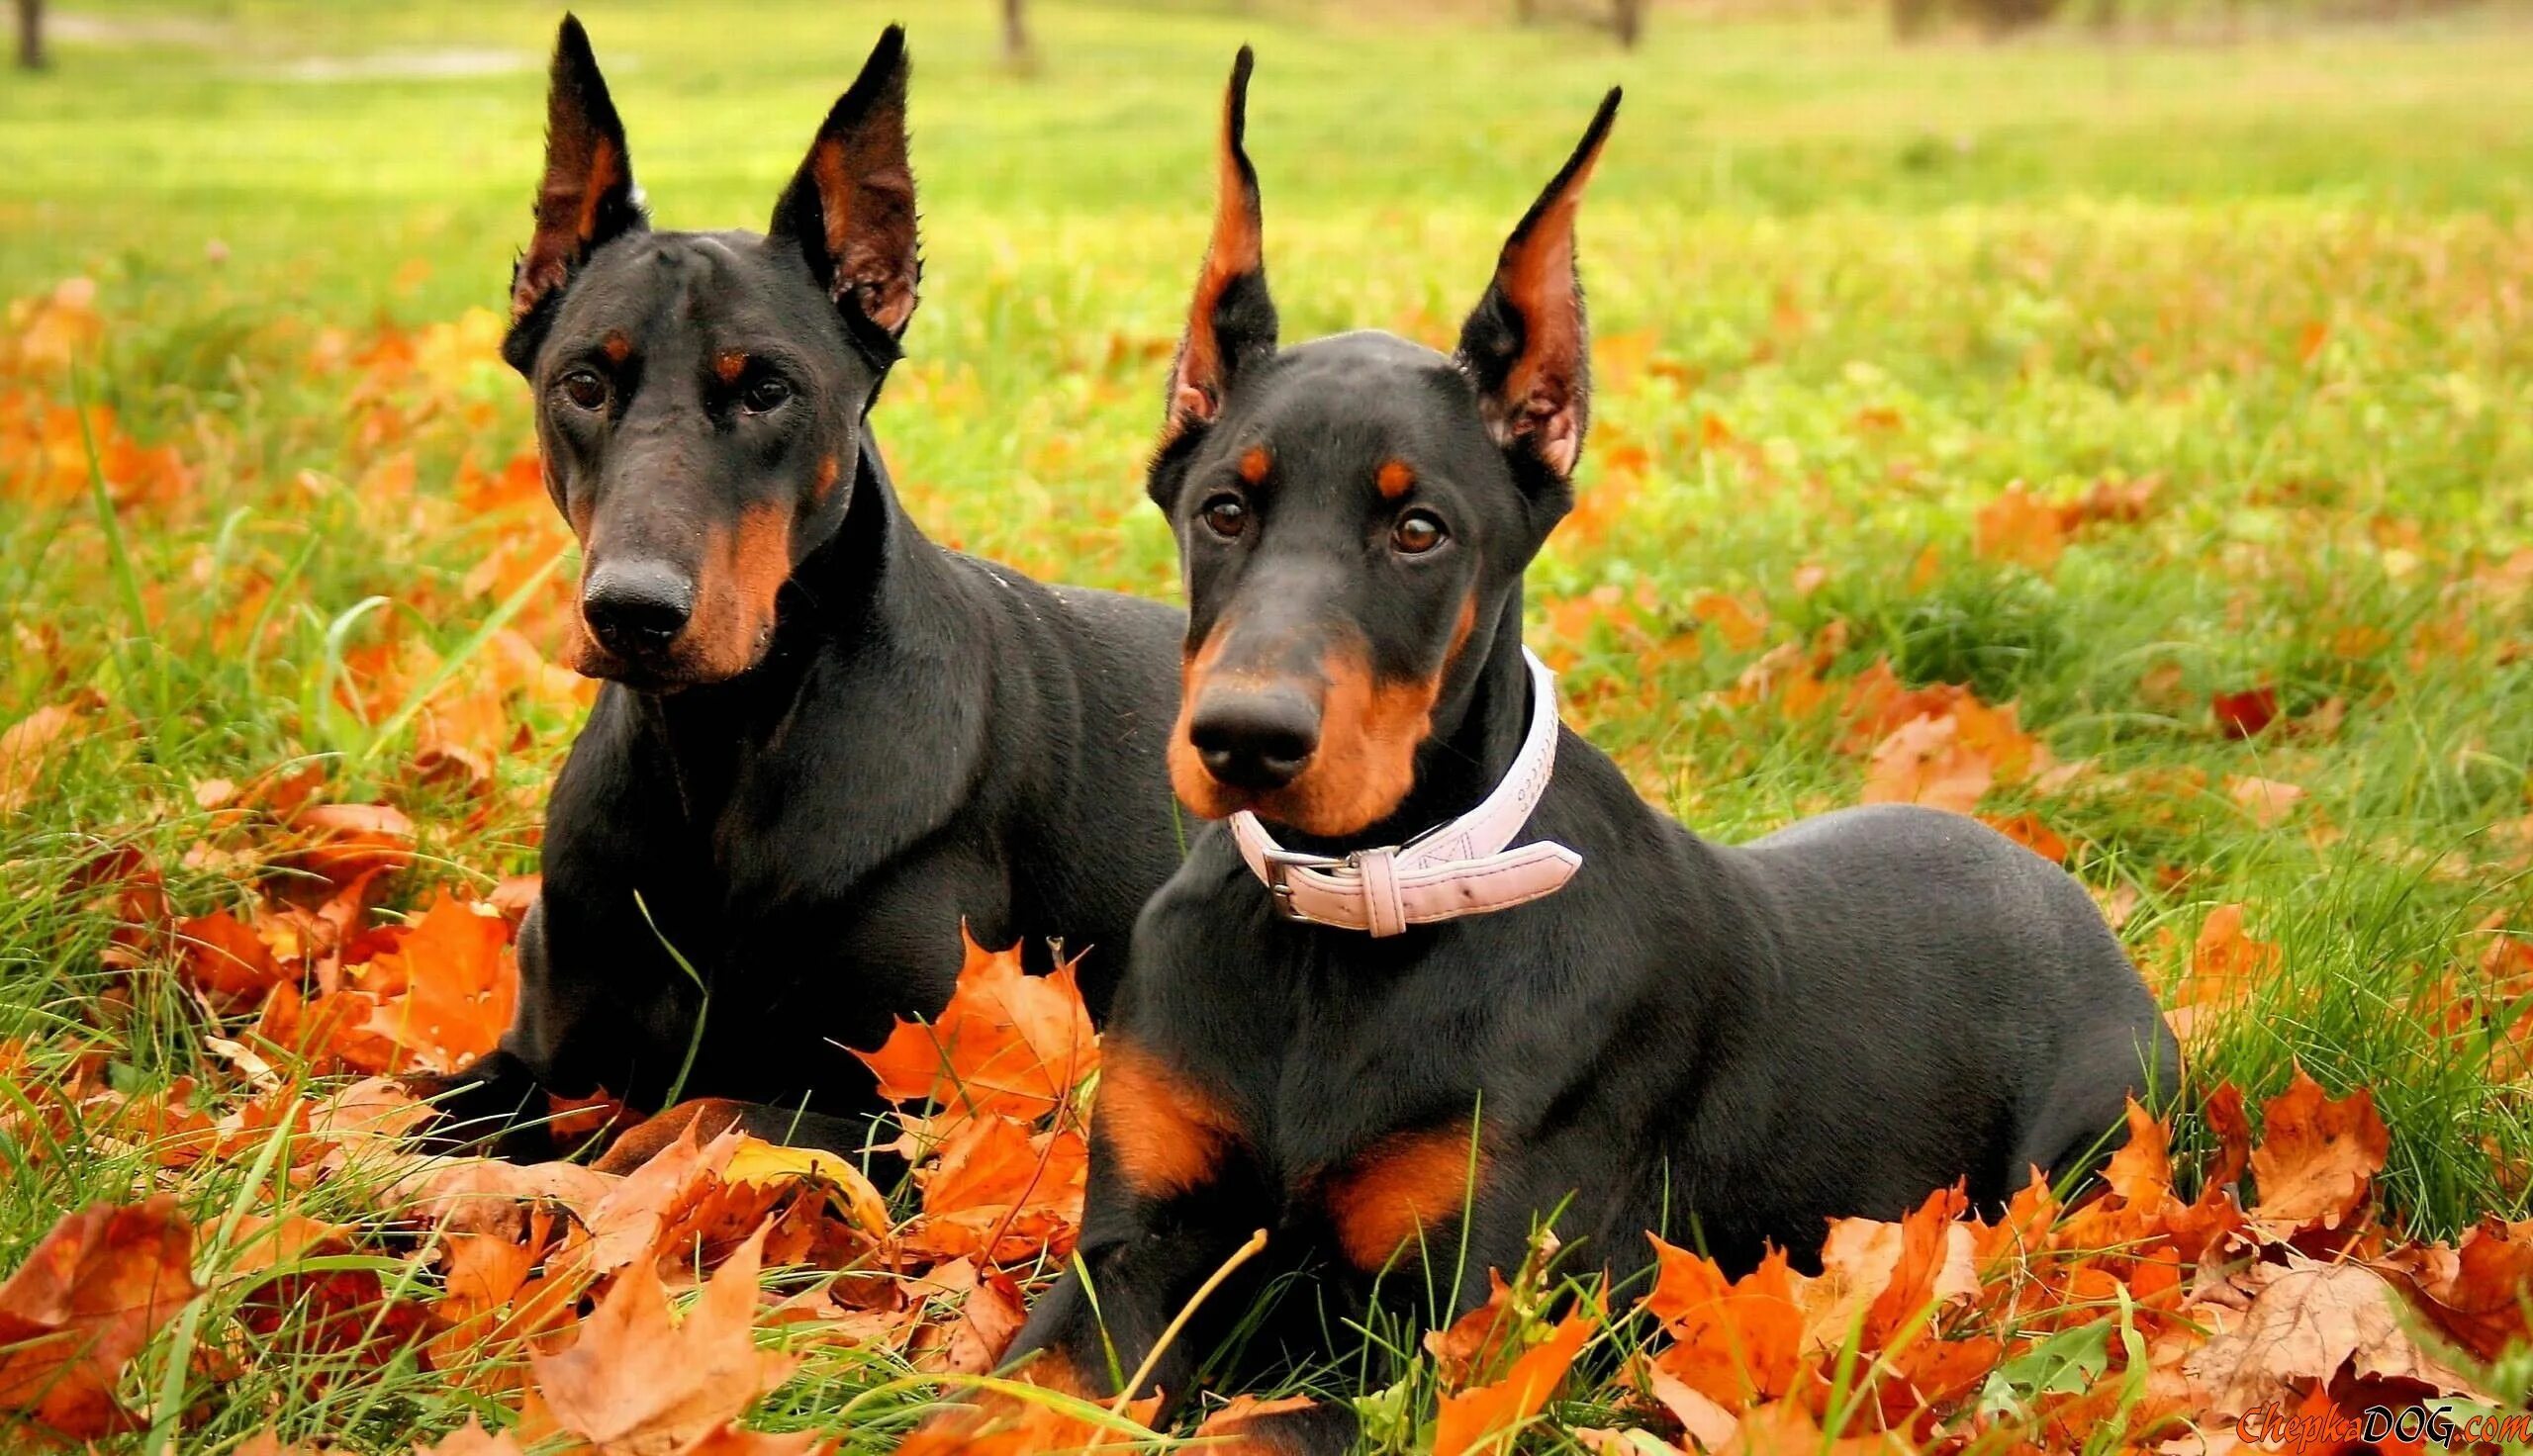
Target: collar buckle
1279, 867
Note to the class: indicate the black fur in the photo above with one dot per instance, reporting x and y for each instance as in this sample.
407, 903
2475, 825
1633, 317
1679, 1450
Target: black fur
1727, 1044
913, 740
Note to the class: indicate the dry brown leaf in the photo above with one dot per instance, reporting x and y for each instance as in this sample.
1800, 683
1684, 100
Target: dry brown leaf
2306, 1320
972, 1341
27, 746
638, 1383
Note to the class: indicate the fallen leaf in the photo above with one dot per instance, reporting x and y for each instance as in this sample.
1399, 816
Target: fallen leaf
1472, 1344
340, 842
2226, 965
1008, 1042
222, 957
1923, 761
990, 1310
2244, 714
88, 1297
1232, 1422
26, 747
1786, 1428
2306, 1323
2017, 529
2267, 801
640, 1383
2317, 1158
1478, 1418
1732, 1341
471, 1439
444, 994
2479, 1294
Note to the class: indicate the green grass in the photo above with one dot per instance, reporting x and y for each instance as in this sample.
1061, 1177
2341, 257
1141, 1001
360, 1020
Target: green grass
1844, 294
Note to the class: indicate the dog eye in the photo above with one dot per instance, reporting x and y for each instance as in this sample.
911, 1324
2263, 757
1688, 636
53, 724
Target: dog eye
766, 392
585, 389
1417, 532
1225, 516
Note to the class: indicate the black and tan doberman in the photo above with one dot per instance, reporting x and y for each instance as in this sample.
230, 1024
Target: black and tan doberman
1443, 976
824, 742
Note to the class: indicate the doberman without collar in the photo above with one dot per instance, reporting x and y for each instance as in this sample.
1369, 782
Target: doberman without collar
824, 742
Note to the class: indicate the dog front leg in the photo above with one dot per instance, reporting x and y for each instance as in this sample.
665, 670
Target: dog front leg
1101, 1323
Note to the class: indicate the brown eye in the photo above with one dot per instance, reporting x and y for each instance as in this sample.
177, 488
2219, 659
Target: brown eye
1226, 516
585, 389
1417, 532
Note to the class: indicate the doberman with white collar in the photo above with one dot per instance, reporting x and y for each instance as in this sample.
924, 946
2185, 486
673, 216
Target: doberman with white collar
1383, 1041
824, 742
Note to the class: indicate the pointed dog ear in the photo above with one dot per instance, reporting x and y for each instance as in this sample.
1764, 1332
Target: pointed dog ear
587, 198
1526, 344
851, 206
1231, 320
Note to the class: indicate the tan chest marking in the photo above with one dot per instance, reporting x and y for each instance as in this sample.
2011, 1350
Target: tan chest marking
1166, 1134
1402, 1187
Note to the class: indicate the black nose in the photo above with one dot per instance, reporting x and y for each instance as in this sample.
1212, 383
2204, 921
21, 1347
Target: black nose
1255, 740
636, 607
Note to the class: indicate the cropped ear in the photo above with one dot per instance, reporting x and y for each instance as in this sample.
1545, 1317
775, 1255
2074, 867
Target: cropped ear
587, 198
1526, 344
851, 206
1232, 320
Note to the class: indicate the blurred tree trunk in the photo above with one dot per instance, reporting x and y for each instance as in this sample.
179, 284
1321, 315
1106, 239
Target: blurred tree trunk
1526, 12
1017, 52
31, 35
1911, 19
1628, 20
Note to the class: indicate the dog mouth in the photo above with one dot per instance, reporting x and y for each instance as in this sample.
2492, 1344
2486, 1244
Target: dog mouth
672, 670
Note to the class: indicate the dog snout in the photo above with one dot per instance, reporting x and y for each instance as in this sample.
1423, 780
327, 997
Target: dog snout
1255, 740
637, 607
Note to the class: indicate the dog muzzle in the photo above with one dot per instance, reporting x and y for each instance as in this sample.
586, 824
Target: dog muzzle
1458, 868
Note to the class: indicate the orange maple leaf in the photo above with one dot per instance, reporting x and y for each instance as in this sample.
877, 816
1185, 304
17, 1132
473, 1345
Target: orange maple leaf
1732, 1341
1925, 762
224, 958
1476, 1341
2317, 1158
2019, 528
340, 842
27, 746
1008, 1042
96, 1287
443, 995
1485, 1417
1001, 1192
2225, 965
471, 1439
1000, 1423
